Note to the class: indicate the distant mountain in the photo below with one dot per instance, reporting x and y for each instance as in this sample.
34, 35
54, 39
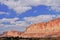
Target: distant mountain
44, 29
11, 33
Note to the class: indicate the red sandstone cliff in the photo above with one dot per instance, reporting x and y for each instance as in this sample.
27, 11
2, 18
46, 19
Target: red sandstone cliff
44, 29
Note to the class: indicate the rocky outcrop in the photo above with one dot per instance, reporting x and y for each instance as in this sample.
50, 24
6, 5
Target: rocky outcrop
44, 29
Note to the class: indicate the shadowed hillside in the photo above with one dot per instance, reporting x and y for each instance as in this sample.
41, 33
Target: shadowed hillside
18, 38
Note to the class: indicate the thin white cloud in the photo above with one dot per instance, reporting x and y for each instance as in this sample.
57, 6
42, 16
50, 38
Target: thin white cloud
13, 22
58, 16
8, 19
21, 6
22, 9
40, 18
4, 13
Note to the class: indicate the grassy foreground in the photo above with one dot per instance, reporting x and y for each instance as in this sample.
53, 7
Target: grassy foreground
17, 38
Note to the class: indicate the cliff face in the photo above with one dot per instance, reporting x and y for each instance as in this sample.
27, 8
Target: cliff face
51, 28
44, 29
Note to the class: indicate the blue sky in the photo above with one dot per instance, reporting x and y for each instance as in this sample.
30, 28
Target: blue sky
19, 14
